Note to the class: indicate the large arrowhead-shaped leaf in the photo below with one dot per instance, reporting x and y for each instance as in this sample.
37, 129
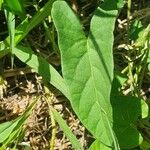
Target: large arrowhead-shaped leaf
87, 66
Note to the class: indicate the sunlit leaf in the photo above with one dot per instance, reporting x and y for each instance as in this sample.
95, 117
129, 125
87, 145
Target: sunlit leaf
87, 66
97, 145
1, 2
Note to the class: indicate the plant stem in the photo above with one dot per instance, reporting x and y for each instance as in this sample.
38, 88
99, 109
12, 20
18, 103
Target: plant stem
145, 63
129, 9
10, 17
130, 63
48, 96
52, 141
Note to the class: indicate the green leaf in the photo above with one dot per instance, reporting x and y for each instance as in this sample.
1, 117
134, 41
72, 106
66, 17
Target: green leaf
87, 66
144, 109
97, 145
4, 50
22, 120
148, 61
145, 145
14, 134
6, 129
9, 129
144, 36
15, 6
126, 111
118, 82
1, 2
26, 26
41, 66
135, 29
10, 17
67, 130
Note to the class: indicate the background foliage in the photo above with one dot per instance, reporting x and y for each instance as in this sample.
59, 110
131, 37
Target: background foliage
103, 65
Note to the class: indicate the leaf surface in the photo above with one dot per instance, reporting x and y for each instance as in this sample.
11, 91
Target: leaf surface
15, 6
97, 145
126, 111
88, 66
8, 129
1, 2
25, 27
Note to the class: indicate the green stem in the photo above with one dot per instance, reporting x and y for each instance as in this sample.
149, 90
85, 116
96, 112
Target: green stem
144, 65
129, 9
48, 96
10, 17
130, 63
52, 141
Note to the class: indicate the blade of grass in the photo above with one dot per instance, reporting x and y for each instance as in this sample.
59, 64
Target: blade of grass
97, 145
41, 66
10, 18
26, 26
15, 6
1, 2
75, 143
49, 98
8, 130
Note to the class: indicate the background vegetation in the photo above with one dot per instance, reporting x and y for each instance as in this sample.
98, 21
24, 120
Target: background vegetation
48, 54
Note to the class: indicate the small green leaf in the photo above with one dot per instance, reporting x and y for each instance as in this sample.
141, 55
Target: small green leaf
135, 28
145, 145
1, 2
8, 130
148, 60
126, 111
143, 37
97, 145
26, 26
4, 50
67, 130
145, 109
15, 6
